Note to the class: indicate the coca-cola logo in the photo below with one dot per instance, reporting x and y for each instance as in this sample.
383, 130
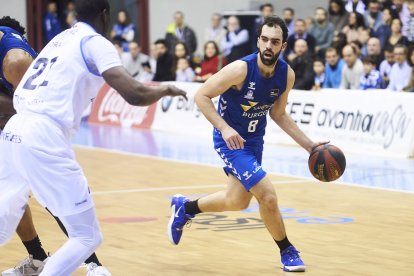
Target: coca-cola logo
115, 109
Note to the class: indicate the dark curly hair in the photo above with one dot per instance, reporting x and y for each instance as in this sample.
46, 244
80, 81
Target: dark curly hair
7, 21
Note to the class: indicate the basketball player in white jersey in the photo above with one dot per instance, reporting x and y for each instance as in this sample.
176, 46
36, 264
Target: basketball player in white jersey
35, 143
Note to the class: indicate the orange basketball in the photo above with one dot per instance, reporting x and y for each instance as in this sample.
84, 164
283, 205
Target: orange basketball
327, 162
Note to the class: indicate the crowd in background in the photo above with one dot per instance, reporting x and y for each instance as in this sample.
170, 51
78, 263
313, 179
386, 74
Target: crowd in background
350, 44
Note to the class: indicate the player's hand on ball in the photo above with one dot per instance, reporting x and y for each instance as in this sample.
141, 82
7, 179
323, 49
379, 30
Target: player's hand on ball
316, 144
232, 138
174, 91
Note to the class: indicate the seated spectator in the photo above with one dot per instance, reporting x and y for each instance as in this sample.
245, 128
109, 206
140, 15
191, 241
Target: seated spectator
410, 85
117, 42
372, 77
374, 50
363, 39
164, 62
396, 36
302, 64
319, 74
408, 28
265, 11
333, 69
400, 70
215, 32
354, 27
339, 42
322, 30
133, 59
385, 66
384, 30
300, 33
338, 16
355, 6
353, 69
400, 9
288, 16
235, 43
373, 15
180, 51
184, 72
123, 29
178, 31
213, 61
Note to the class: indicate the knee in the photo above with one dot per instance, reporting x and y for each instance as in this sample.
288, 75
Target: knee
268, 202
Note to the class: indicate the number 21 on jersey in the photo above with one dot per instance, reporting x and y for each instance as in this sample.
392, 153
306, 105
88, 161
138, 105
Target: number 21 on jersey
41, 67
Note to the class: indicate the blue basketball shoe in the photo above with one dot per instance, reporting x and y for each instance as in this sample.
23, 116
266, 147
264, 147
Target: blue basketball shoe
178, 218
291, 260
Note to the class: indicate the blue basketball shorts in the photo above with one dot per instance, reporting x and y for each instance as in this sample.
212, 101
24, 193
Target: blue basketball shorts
244, 164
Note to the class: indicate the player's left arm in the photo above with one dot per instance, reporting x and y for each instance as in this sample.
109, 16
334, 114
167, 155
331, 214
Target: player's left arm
15, 64
285, 122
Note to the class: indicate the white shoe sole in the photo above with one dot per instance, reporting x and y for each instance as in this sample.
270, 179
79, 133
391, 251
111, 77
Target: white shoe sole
298, 268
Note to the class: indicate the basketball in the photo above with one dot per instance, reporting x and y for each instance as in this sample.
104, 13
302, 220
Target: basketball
327, 163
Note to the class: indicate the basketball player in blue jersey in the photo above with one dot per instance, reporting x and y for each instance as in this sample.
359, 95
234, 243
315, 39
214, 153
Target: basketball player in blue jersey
249, 89
16, 55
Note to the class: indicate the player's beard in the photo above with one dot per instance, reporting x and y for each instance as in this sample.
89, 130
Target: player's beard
266, 61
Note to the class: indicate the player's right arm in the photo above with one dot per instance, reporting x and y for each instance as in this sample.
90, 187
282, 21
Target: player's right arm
231, 75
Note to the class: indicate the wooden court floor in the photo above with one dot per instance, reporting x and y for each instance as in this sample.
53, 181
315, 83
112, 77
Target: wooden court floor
340, 230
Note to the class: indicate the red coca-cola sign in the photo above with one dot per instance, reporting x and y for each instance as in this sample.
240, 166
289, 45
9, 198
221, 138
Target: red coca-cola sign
111, 109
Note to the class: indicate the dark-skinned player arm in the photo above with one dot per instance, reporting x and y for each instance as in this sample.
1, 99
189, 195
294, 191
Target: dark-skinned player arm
231, 75
285, 122
15, 65
136, 93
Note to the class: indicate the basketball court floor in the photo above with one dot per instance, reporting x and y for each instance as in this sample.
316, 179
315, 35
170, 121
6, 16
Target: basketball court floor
360, 225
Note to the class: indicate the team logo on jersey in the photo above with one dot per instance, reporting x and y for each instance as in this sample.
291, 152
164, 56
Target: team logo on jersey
247, 107
274, 93
249, 95
251, 85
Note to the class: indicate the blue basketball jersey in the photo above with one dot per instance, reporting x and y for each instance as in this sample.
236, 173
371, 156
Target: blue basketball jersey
12, 40
246, 110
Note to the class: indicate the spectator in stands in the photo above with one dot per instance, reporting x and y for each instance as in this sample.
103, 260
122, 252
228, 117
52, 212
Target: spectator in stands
288, 16
333, 68
213, 61
400, 70
302, 64
384, 30
180, 51
374, 50
357, 47
164, 62
118, 46
133, 59
363, 39
408, 28
396, 36
300, 33
178, 31
338, 16
373, 15
371, 79
184, 71
410, 85
123, 29
355, 6
71, 19
235, 43
354, 26
265, 11
401, 9
322, 30
215, 32
51, 24
353, 69
386, 65
319, 74
339, 41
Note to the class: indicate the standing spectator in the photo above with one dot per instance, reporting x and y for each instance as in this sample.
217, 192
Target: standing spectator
215, 32
374, 50
235, 44
319, 74
353, 70
355, 6
386, 65
123, 29
184, 72
133, 59
384, 30
322, 30
354, 27
289, 18
178, 31
164, 62
372, 77
400, 70
338, 16
300, 33
213, 61
302, 64
408, 28
396, 36
71, 19
333, 68
51, 25
373, 15
265, 11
